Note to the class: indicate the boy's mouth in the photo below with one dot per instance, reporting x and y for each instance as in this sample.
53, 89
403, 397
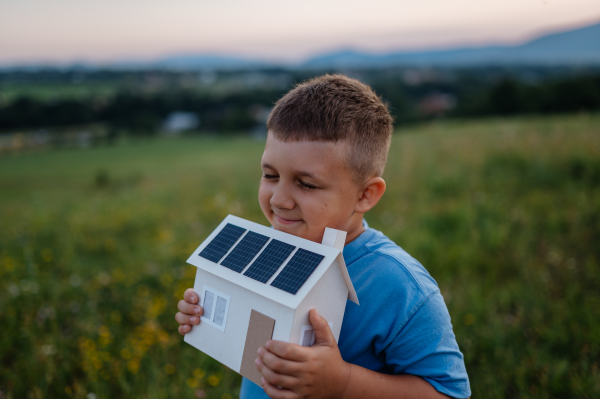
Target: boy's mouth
285, 221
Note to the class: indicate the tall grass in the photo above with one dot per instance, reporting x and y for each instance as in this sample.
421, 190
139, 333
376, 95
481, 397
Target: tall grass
505, 214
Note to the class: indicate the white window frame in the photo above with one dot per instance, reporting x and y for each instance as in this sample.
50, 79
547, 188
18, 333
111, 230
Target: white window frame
217, 295
306, 328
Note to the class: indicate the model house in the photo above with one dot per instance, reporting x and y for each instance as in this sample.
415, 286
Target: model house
256, 283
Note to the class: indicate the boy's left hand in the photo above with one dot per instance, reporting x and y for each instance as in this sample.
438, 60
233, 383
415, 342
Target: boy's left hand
294, 371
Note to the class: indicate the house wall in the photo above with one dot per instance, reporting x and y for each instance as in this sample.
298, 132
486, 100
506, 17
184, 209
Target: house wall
228, 347
329, 296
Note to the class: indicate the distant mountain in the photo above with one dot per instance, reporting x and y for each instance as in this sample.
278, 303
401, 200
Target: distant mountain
174, 63
205, 61
579, 46
574, 47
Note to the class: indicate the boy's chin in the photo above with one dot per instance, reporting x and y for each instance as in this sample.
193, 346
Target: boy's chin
298, 230
295, 228
291, 229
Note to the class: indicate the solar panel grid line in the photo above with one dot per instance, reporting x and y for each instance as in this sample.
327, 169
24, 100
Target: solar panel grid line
269, 261
297, 271
256, 256
283, 265
234, 245
245, 251
222, 243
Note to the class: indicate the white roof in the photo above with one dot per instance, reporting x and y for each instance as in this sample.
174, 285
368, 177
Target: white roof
285, 298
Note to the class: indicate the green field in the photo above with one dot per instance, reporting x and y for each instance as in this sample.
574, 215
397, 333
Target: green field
505, 214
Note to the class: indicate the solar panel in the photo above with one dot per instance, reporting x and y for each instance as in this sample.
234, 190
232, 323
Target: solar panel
269, 261
297, 271
219, 246
243, 253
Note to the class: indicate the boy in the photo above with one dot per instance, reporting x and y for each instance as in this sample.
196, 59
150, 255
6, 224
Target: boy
325, 153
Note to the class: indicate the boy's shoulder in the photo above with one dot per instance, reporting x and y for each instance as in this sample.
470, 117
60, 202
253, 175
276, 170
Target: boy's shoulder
379, 259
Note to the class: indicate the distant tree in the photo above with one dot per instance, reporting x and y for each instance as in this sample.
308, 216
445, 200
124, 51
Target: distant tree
506, 97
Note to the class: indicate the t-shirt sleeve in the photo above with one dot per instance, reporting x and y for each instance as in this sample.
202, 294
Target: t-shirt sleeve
425, 346
250, 390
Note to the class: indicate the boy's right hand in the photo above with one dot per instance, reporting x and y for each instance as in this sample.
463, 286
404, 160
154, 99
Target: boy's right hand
189, 311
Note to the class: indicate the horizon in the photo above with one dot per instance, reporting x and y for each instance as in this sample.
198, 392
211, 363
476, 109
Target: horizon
46, 36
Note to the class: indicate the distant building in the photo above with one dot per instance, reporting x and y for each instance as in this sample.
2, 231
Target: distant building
21, 140
436, 104
177, 122
416, 77
84, 139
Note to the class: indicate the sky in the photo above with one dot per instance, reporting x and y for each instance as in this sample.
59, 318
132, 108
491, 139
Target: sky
104, 31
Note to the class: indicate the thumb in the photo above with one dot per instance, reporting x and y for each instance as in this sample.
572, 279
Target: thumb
323, 334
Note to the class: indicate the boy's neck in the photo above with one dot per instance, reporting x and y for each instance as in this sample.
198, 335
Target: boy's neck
355, 227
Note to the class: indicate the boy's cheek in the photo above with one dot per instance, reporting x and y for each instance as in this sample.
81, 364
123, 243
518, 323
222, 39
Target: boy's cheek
264, 200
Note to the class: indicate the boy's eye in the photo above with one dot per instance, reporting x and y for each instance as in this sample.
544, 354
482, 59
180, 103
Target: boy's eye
269, 177
305, 185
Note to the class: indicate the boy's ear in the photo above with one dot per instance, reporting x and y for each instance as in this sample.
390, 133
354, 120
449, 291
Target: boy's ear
372, 192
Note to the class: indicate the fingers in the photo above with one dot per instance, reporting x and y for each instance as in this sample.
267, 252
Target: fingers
274, 378
276, 363
277, 393
288, 351
190, 296
323, 334
184, 329
190, 309
185, 319
189, 312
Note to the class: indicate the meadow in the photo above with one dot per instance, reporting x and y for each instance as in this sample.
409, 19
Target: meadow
504, 213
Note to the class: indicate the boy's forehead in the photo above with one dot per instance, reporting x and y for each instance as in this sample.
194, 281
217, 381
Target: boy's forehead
312, 156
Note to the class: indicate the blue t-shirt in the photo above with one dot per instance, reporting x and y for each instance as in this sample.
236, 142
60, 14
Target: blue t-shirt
402, 325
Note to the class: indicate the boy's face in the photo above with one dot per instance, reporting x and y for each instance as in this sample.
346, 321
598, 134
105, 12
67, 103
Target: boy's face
306, 186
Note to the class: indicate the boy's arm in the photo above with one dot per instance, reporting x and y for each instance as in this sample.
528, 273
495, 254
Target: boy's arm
364, 383
320, 372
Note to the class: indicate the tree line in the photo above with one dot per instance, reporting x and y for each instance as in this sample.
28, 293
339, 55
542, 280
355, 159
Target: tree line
137, 111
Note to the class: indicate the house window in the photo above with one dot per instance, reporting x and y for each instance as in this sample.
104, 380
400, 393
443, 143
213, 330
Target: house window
216, 307
307, 336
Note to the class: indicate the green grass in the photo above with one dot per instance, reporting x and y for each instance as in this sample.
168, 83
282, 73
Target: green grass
505, 214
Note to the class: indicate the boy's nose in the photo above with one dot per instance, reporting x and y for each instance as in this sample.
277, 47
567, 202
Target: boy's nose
282, 200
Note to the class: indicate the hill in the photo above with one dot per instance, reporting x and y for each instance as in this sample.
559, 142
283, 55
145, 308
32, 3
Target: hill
579, 46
